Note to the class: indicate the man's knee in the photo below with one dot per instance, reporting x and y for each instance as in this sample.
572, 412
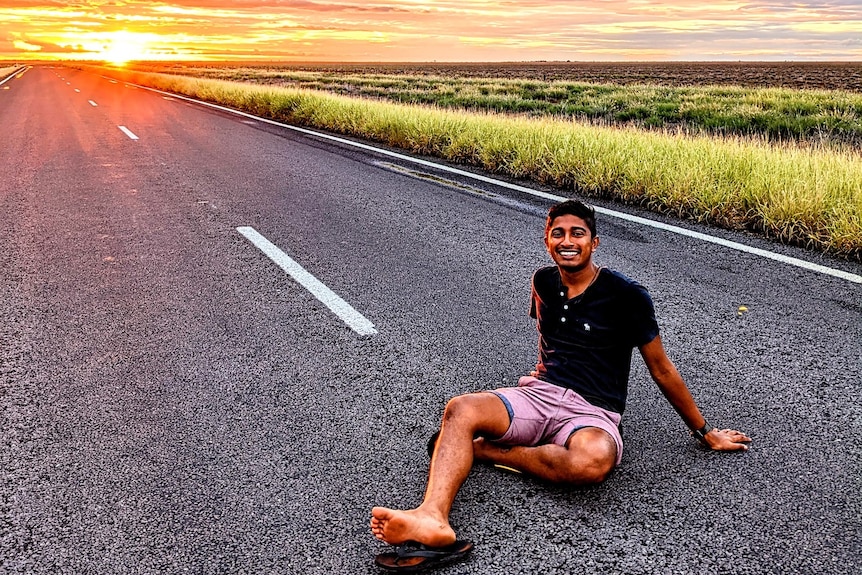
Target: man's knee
587, 471
482, 412
597, 470
593, 456
461, 408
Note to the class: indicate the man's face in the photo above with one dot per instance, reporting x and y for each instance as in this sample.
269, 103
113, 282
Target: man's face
570, 243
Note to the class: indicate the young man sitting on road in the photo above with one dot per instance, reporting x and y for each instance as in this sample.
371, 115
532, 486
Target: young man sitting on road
560, 424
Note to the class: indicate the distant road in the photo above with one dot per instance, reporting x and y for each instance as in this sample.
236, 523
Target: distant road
178, 395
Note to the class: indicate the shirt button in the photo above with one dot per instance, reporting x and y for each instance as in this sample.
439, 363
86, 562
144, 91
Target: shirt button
563, 294
565, 307
562, 319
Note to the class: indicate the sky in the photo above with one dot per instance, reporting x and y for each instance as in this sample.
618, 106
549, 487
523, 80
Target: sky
426, 31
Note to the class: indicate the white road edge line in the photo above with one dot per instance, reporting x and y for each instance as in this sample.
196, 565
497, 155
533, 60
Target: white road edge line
128, 132
12, 75
736, 246
855, 278
355, 320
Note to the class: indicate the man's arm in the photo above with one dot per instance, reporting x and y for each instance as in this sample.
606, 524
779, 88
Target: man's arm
668, 379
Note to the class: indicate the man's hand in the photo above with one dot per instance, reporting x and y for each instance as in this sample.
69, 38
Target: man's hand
727, 440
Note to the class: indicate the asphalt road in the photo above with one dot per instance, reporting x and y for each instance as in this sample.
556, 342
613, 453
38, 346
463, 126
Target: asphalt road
173, 402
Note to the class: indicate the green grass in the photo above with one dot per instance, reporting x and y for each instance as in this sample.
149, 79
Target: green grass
822, 117
801, 195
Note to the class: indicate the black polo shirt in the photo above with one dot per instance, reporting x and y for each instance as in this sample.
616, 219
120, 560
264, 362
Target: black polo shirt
586, 343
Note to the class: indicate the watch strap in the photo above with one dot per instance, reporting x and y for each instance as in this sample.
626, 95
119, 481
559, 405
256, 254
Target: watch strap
700, 434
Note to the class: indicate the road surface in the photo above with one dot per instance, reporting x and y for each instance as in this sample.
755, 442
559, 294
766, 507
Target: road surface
174, 400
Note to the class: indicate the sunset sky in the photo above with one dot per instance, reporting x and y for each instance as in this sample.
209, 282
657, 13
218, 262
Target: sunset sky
441, 30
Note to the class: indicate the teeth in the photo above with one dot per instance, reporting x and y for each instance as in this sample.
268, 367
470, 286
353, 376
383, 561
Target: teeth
568, 253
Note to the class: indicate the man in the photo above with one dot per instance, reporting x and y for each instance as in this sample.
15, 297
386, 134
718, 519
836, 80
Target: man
560, 424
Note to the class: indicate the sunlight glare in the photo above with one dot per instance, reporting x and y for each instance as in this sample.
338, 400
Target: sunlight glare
124, 47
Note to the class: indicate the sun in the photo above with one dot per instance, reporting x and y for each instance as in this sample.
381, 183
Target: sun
124, 46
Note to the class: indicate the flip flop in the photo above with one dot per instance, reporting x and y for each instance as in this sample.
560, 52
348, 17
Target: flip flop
412, 557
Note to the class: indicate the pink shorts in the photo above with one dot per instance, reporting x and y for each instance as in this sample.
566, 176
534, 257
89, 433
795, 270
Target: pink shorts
541, 412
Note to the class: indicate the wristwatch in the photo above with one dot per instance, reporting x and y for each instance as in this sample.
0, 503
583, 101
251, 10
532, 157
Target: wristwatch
700, 434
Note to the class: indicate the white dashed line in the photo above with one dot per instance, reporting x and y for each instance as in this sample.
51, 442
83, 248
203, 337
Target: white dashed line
855, 278
128, 132
355, 320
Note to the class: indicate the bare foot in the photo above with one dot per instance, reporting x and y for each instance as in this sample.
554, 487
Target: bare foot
395, 527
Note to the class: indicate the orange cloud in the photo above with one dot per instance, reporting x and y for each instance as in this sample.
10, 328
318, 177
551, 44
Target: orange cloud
443, 30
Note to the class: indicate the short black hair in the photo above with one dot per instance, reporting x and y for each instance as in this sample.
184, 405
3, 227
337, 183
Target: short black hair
574, 208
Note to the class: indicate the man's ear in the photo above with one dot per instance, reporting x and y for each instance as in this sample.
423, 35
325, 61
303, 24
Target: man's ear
596, 242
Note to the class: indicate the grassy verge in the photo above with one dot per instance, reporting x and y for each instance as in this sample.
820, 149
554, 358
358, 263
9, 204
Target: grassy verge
5, 71
799, 195
821, 117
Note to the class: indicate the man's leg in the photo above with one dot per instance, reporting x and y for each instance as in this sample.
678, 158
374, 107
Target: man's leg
588, 457
465, 417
